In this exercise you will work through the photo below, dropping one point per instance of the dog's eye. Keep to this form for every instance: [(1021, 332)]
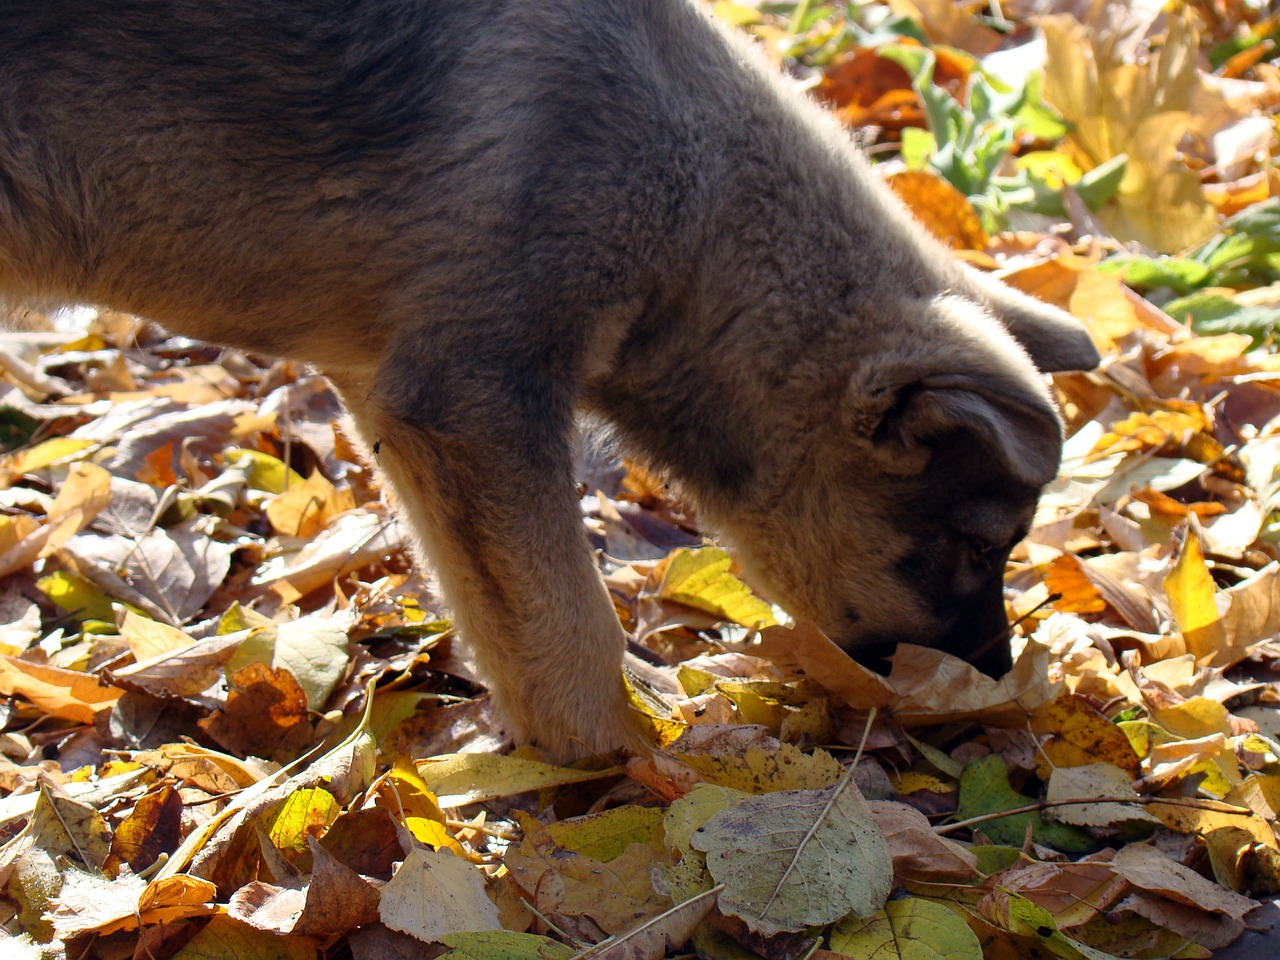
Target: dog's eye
[(983, 554)]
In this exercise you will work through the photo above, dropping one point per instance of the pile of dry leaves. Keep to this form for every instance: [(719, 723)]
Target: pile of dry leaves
[(234, 724)]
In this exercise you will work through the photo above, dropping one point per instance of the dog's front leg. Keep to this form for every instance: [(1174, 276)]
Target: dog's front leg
[(476, 446)]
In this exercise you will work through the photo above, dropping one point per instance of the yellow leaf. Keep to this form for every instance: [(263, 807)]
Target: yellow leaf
[(85, 494), (305, 812), (701, 579), (1076, 734), (223, 938), (305, 508), (607, 835), (406, 794), (1194, 718), (1191, 590), (149, 638), (21, 539), (908, 929), (42, 455), (909, 781), (266, 473), (1139, 109), (462, 778), (760, 770)]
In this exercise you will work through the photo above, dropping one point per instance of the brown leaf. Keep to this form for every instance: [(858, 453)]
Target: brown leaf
[(185, 672), (335, 900), (152, 828), (266, 713), (615, 895), (1073, 892), (1209, 930), (919, 853), (659, 936), (866, 88), (1148, 869), (63, 826)]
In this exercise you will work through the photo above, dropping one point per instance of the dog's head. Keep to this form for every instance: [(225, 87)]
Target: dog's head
[(894, 521)]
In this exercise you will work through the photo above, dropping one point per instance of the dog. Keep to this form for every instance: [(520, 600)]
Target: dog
[(484, 218)]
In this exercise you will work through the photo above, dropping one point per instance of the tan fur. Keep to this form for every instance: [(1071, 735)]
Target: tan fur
[(481, 218)]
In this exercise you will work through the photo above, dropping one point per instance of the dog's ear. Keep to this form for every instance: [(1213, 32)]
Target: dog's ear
[(1055, 340), (1019, 431)]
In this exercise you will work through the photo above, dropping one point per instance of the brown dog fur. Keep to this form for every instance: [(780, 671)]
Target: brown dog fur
[(482, 217)]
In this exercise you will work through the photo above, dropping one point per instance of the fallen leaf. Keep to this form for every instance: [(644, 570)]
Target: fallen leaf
[(73, 696), (434, 894), (266, 712), (1088, 782), (748, 759), (797, 858), (614, 896), (658, 936), (985, 789), (225, 938), (1149, 869), (944, 210), (1191, 591), (335, 900), (1074, 734), (152, 828), (504, 945), (462, 778), (910, 929)]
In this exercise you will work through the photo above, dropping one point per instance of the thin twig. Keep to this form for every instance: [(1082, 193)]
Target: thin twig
[(1212, 806)]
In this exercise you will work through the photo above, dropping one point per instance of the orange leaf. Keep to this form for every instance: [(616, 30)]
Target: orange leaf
[(1067, 577), (944, 210), (68, 694)]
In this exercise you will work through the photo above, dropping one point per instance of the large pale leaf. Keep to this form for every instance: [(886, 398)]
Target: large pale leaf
[(798, 858)]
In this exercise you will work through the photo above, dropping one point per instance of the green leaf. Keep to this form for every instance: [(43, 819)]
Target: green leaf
[(910, 929), (504, 945), (916, 147), (993, 858), (1150, 273), (1248, 236), (985, 789), (1035, 116), (1212, 313), (1098, 185)]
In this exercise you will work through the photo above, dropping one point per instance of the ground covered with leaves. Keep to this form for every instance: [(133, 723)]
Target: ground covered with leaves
[(235, 723)]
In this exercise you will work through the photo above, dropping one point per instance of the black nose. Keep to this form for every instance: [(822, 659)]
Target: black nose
[(980, 635)]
